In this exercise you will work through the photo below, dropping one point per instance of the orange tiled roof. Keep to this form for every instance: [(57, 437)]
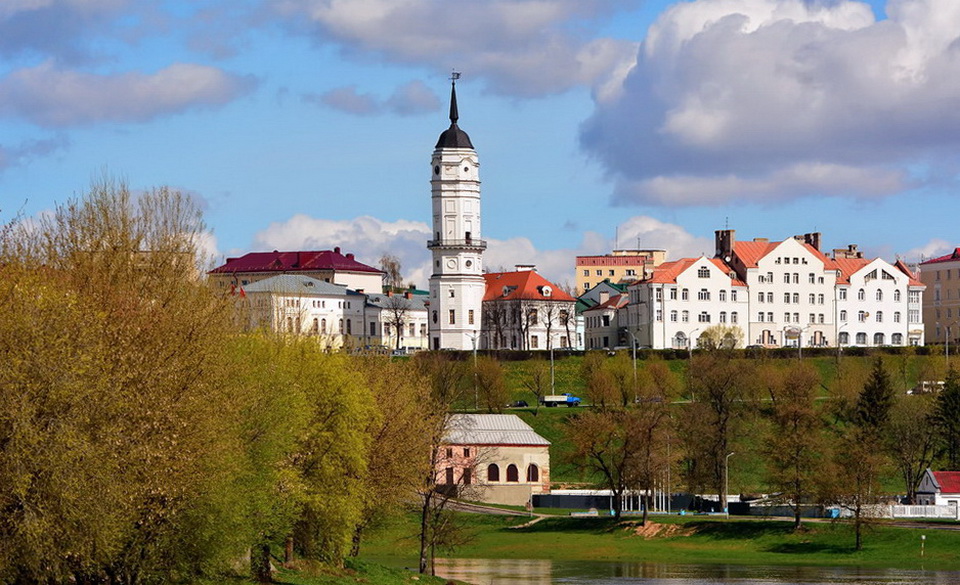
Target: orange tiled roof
[(668, 271), (751, 252), (902, 267), (848, 266), (522, 284)]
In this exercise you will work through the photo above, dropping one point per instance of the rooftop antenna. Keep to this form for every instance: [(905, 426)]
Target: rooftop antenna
[(726, 223), (616, 237)]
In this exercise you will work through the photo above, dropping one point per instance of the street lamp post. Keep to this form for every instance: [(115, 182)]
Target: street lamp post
[(690, 344), (726, 483)]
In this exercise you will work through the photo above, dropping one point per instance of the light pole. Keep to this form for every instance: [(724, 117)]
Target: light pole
[(690, 344), (800, 343), (726, 483), (634, 338)]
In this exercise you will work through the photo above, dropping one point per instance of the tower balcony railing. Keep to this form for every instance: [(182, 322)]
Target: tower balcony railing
[(467, 243)]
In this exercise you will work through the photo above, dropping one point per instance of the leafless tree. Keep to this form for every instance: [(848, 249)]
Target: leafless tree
[(390, 265), (396, 308)]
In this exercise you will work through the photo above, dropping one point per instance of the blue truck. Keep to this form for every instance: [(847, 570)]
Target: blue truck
[(565, 399)]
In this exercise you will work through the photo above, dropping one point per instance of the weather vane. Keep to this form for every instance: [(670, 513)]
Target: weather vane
[(454, 75)]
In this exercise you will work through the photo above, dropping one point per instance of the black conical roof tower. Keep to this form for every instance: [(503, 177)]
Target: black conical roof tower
[(454, 137)]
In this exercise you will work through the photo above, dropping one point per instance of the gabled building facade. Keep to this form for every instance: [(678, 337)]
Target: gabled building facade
[(523, 310)]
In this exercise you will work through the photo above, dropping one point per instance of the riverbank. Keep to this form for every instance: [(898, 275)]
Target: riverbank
[(674, 539), (354, 572)]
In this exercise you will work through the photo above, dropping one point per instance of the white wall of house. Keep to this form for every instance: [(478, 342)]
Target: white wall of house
[(875, 308)]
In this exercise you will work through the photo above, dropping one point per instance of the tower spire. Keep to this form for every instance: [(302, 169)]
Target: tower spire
[(454, 114)]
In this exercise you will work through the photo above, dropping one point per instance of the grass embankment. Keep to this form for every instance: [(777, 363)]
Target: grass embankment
[(686, 540)]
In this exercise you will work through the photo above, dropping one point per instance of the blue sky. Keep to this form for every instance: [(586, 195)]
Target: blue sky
[(310, 123)]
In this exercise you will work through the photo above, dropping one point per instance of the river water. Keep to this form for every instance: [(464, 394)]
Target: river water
[(545, 572)]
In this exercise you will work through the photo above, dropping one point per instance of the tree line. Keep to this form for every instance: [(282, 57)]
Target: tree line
[(144, 439)]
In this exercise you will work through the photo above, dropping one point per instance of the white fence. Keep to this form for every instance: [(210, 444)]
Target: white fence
[(947, 512)]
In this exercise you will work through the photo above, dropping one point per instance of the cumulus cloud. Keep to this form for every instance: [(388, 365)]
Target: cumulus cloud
[(780, 99), (50, 96), (520, 47), (55, 28), (932, 249), (346, 99)]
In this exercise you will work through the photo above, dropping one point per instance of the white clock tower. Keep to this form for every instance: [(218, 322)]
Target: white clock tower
[(457, 284)]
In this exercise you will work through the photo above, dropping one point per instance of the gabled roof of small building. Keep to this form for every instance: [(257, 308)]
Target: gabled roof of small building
[(491, 429), (294, 284), (951, 257), (296, 261), (614, 302), (947, 481), (522, 284)]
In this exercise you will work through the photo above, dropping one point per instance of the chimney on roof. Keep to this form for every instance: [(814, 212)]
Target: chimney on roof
[(604, 296), (359, 291), (389, 292), (526, 267), (350, 256), (725, 239), (408, 295), (813, 239), (850, 252), (336, 250)]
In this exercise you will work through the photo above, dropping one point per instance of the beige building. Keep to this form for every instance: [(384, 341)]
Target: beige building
[(621, 266), (941, 299), (494, 458)]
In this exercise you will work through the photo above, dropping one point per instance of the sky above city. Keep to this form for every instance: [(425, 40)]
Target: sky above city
[(599, 124)]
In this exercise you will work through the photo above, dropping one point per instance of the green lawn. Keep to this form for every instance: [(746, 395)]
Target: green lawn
[(685, 539)]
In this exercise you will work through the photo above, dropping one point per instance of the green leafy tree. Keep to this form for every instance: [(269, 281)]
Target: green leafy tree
[(947, 417), (875, 402), (911, 439)]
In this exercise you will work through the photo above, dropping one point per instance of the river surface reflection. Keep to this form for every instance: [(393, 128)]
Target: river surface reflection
[(545, 572)]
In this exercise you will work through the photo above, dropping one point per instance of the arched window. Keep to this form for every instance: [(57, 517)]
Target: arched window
[(323, 325), (896, 339), (512, 473), (896, 296), (879, 295), (316, 327), (533, 473), (861, 295), (493, 472), (861, 338), (843, 315), (878, 339), (879, 316), (844, 338)]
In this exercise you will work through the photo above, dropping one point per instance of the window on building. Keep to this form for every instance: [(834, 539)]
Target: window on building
[(453, 316), (449, 452), (786, 298), (813, 318), (533, 473), (703, 317), (733, 296), (796, 317), (820, 299), (532, 316), (896, 339), (769, 297), (659, 314), (879, 295), (896, 296), (786, 317), (842, 294), (723, 296), (896, 316), (373, 327), (796, 298), (467, 476), (673, 316), (703, 295), (534, 342), (723, 316), (879, 316), (843, 315), (413, 329), (341, 327), (913, 315), (512, 473), (703, 272), (349, 327), (586, 286), (466, 451), (610, 273), (861, 316), (861, 295), (770, 316), (733, 317), (796, 276), (685, 316), (586, 273), (606, 320), (914, 296), (448, 476), (469, 319), (812, 278), (685, 295), (673, 294), (820, 318), (760, 316), (844, 338), (493, 472), (878, 339), (761, 296), (786, 278), (599, 272), (812, 298), (861, 338)]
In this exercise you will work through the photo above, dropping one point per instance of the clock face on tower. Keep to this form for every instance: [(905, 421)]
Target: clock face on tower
[(451, 263)]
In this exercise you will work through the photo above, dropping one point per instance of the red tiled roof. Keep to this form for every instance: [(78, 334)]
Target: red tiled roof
[(902, 267), (750, 252), (522, 284), (949, 481), (951, 257), (298, 261), (668, 271), (847, 267)]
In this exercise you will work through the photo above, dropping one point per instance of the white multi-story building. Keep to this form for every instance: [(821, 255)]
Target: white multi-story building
[(302, 305), (683, 298), (784, 293), (523, 310), (602, 322), (397, 320), (456, 285)]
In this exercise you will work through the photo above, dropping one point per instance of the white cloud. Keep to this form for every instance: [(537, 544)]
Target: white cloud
[(932, 249), (346, 99), (521, 47), (413, 98), (53, 97), (781, 99)]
